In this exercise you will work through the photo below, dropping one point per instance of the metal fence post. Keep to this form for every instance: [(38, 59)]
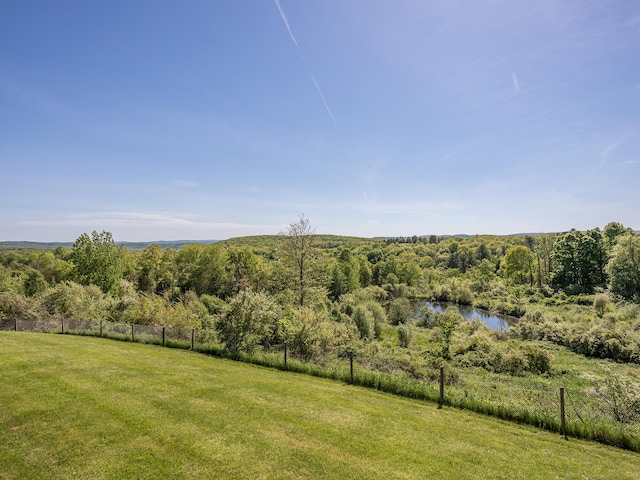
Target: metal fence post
[(563, 422), (62, 324), (351, 365), (193, 337), (15, 325), (285, 354), (441, 399), (133, 338), (164, 335), (100, 327)]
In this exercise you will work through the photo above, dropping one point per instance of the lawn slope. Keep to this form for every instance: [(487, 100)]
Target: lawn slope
[(83, 407)]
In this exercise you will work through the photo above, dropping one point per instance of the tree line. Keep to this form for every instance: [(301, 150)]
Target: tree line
[(319, 293)]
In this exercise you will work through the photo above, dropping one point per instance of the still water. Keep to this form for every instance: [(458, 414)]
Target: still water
[(496, 322)]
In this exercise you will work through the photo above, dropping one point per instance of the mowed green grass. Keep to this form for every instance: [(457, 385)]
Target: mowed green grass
[(83, 407)]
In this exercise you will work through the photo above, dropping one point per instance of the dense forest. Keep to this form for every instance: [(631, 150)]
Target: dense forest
[(323, 294)]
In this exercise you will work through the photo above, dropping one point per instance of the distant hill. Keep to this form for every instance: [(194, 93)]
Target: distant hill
[(272, 241), (34, 245), (134, 246), (267, 242)]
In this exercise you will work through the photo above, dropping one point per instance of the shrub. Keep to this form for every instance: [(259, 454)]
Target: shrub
[(538, 359), (399, 311), (509, 360), (464, 297), (364, 322), (621, 398), (379, 317), (405, 335)]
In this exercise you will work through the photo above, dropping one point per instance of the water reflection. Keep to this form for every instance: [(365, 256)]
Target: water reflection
[(496, 322)]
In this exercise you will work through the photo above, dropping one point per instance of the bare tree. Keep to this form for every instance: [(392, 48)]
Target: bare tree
[(298, 249)]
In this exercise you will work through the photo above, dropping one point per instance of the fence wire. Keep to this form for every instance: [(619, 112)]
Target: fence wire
[(613, 417), (597, 411)]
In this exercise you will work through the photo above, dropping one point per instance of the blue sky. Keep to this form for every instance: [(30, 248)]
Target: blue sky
[(213, 119)]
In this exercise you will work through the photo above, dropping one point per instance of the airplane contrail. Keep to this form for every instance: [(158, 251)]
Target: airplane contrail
[(306, 64)]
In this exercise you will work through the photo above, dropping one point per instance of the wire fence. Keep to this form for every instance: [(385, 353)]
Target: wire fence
[(609, 416)]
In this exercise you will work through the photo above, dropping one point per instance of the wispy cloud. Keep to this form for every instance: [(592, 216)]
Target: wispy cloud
[(186, 184), (140, 220), (607, 151), (306, 64), (516, 84)]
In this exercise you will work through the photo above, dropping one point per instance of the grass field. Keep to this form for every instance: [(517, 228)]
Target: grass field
[(83, 407)]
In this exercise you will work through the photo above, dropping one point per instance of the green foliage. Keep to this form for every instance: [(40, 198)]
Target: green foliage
[(14, 306), (379, 316), (405, 335), (624, 267), (203, 269), (399, 311), (364, 322), (621, 397), (344, 274), (247, 321), (447, 322), (518, 265), (214, 305), (98, 261), (74, 301), (310, 334), (245, 269), (156, 270), (611, 232), (605, 337), (34, 283), (601, 303), (579, 260)]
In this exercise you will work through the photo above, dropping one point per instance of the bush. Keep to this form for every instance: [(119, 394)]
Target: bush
[(538, 359), (379, 317), (621, 399), (399, 311), (14, 306), (405, 335), (364, 322), (509, 360)]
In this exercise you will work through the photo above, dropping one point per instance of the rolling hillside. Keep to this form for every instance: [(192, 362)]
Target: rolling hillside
[(80, 407)]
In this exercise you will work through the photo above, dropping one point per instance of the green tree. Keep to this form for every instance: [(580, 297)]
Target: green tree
[(156, 270), (344, 275), (364, 269), (203, 269), (244, 268), (364, 322), (447, 322), (98, 261), (543, 248), (407, 268), (405, 335), (399, 311), (518, 265), (248, 320), (611, 232), (34, 283), (579, 260), (483, 274), (624, 266)]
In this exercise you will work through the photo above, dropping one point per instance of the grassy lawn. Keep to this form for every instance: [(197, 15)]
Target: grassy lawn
[(83, 407)]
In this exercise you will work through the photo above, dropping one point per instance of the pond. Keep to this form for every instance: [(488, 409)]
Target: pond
[(494, 321)]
